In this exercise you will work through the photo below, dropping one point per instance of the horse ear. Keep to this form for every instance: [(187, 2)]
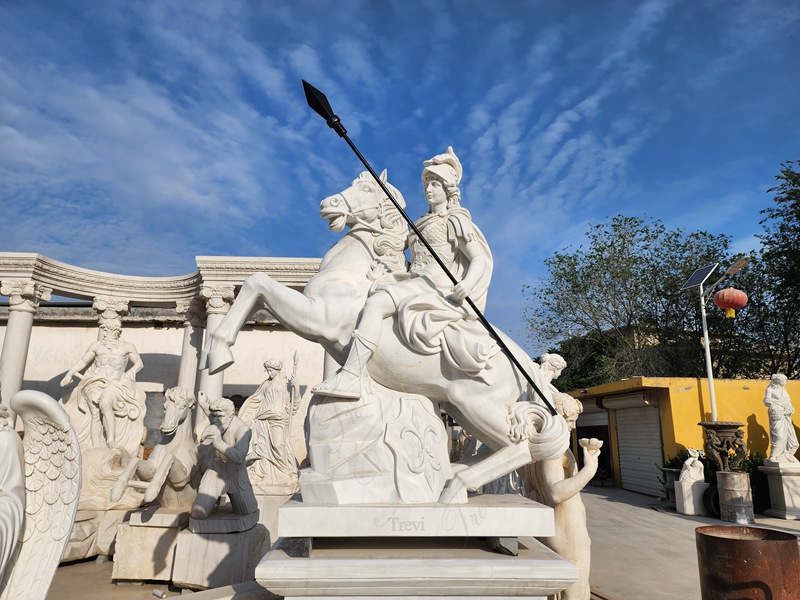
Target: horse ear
[(383, 176)]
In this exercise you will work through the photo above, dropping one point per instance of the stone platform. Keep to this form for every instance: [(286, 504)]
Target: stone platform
[(483, 516), (784, 489), (408, 567), (415, 551)]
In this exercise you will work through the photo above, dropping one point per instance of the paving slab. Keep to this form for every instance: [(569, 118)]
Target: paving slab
[(641, 549)]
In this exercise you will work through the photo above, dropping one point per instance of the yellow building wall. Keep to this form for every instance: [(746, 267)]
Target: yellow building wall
[(684, 402)]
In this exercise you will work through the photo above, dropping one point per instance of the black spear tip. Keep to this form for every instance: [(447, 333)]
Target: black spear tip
[(320, 105)]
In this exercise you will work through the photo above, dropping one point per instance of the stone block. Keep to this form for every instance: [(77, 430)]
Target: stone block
[(689, 497), (211, 560), (223, 522), (144, 553), (784, 490), (94, 533), (414, 568), (155, 516), (483, 516)]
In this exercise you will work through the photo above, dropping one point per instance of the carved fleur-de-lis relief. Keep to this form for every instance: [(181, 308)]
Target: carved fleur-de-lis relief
[(25, 295), (218, 298), (193, 311), (110, 307)]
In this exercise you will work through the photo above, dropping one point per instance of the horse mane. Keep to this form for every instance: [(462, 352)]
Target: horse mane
[(390, 244)]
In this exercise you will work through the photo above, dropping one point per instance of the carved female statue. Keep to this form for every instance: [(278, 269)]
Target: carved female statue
[(781, 430), (428, 308), (12, 488), (268, 413)]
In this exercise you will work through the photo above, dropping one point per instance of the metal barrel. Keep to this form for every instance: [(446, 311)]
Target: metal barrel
[(747, 563), (735, 497)]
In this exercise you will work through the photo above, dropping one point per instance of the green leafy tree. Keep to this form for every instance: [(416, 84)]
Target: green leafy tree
[(613, 306), (776, 310)]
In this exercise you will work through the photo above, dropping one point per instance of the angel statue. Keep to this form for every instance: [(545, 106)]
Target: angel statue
[(43, 473)]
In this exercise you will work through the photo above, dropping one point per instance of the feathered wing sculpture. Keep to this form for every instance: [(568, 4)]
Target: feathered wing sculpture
[(52, 485)]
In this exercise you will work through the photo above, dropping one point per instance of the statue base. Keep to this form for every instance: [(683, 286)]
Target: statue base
[(784, 489), (415, 551), (144, 553), (94, 533), (211, 560), (224, 522), (413, 568), (689, 498)]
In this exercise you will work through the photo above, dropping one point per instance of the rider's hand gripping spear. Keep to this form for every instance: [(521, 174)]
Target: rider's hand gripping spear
[(319, 103)]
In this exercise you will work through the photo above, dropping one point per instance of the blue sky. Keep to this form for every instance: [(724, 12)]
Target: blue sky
[(137, 135)]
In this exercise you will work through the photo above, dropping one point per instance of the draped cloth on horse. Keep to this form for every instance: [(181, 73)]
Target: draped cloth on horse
[(427, 321)]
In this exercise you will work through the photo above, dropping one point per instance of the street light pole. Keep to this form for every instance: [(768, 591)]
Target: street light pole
[(698, 278), (709, 371)]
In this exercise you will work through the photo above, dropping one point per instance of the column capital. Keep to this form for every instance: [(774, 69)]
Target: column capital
[(24, 296), (218, 298), (110, 308), (193, 311)]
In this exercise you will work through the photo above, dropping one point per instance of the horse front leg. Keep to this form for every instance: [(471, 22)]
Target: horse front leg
[(497, 464), (295, 311), (216, 354)]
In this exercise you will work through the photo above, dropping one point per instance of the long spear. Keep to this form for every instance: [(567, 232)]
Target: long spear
[(320, 105)]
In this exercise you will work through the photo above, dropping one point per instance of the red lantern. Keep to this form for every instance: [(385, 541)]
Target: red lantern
[(731, 300)]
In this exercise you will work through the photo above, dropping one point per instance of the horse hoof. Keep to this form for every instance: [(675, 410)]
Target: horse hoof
[(218, 359), (451, 496)]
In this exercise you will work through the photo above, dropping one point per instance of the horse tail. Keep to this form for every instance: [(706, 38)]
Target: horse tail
[(547, 435)]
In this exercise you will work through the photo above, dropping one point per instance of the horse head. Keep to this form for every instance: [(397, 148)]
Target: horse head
[(363, 203), (365, 206), (177, 406)]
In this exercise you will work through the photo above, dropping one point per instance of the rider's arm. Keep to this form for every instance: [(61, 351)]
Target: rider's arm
[(134, 357), (79, 366)]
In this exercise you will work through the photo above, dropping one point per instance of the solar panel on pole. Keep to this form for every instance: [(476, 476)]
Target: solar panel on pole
[(699, 276)]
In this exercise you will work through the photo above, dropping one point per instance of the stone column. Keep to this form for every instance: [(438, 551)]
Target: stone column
[(109, 308), (193, 311), (23, 300), (218, 300)]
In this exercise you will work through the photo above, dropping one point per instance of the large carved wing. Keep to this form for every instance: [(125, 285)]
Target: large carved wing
[(52, 483)]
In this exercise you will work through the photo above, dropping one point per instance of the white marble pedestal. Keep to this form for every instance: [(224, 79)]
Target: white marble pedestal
[(689, 497), (414, 551), (145, 548), (784, 489)]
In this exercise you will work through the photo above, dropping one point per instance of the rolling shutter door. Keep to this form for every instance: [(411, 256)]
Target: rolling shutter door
[(639, 439)]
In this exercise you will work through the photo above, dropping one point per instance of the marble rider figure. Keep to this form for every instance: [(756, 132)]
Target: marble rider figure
[(107, 390), (426, 289)]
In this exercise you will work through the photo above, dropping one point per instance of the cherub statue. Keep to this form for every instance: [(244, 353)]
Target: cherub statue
[(781, 429), (107, 390), (692, 470), (44, 474), (224, 466)]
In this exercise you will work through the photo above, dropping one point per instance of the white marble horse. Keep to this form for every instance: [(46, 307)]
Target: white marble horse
[(487, 406), (170, 474)]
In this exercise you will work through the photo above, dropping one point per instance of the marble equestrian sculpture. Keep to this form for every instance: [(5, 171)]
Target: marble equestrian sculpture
[(269, 413), (48, 465), (429, 346), (225, 444), (170, 475), (107, 392), (557, 483), (781, 429)]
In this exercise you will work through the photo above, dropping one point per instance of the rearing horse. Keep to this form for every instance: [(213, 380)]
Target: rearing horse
[(327, 310)]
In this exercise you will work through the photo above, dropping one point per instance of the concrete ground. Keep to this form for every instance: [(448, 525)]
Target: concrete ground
[(639, 550)]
